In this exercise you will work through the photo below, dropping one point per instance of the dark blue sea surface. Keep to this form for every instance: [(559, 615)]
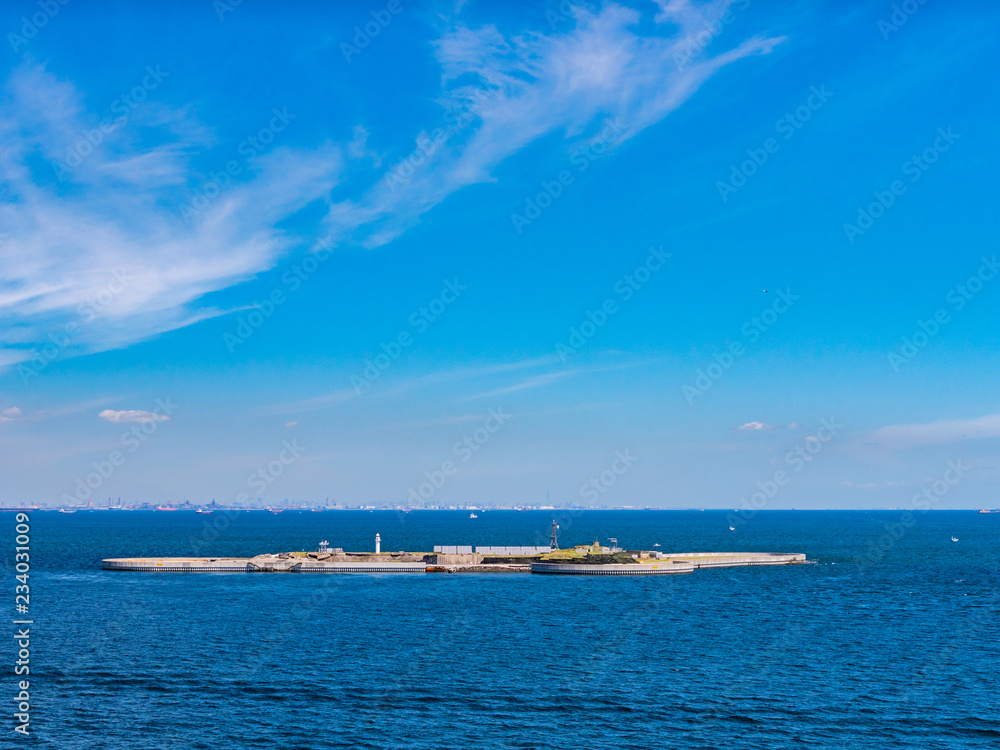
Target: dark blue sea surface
[(891, 640)]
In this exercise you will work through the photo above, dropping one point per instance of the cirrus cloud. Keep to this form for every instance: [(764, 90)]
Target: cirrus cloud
[(511, 90), (936, 433), (115, 216), (117, 211)]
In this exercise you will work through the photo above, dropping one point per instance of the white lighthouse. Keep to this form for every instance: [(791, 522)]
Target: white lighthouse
[(378, 544)]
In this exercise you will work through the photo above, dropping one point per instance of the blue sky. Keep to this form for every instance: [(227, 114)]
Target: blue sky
[(230, 227)]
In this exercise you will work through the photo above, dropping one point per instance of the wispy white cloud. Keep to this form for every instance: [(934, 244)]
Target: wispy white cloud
[(107, 247), (323, 401), (358, 147), (536, 381), (17, 414), (758, 426), (10, 414), (392, 389), (132, 415), (504, 92), (754, 426), (118, 211), (388, 388), (936, 433), (432, 422)]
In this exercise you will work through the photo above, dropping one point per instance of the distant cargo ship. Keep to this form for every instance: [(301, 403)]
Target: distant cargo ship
[(164, 507), (66, 510), (204, 512), (993, 510)]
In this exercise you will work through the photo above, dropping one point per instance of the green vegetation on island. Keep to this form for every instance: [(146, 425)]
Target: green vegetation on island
[(575, 557)]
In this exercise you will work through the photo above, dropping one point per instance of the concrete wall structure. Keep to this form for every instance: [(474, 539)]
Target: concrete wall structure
[(257, 565), (734, 559), (374, 567), (515, 551), (658, 568), (178, 564), (469, 559)]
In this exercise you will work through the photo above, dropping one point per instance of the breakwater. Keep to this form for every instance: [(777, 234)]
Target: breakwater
[(613, 569), (416, 562), (258, 564)]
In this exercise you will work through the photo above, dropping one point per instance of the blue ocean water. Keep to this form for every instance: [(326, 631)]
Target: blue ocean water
[(889, 641)]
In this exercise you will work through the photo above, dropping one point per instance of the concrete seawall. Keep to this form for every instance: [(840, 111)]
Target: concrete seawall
[(177, 565), (255, 565), (685, 562), (363, 568), (737, 559), (659, 568)]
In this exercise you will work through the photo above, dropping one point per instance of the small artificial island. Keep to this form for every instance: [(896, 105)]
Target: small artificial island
[(593, 559)]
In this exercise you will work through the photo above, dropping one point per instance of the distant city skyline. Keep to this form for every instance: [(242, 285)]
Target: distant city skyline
[(671, 254)]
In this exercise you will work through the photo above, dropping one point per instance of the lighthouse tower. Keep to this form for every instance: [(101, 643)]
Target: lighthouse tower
[(378, 544)]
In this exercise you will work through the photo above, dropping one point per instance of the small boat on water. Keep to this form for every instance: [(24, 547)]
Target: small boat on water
[(66, 510), (473, 515)]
